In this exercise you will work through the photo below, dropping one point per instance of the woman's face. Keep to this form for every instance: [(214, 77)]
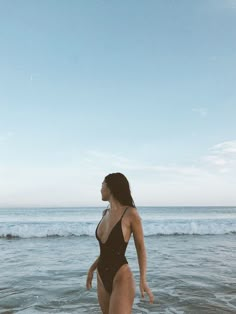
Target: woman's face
[(105, 191)]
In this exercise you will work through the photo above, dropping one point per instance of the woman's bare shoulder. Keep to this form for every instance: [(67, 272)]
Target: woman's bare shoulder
[(133, 212)]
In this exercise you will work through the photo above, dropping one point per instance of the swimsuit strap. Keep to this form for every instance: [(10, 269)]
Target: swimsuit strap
[(108, 209), (104, 212), (124, 212)]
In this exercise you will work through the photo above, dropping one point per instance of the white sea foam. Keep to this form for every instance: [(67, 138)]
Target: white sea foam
[(150, 228), (65, 222)]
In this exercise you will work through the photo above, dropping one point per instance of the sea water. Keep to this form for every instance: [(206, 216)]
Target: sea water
[(45, 254)]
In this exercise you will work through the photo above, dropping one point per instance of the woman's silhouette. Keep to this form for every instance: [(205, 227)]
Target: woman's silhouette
[(115, 281)]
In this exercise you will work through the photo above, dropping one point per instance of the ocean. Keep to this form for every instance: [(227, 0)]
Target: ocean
[(45, 254)]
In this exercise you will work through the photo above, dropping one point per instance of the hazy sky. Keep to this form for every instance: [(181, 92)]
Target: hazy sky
[(146, 88)]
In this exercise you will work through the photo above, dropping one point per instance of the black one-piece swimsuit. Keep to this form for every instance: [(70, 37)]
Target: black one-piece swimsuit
[(112, 254)]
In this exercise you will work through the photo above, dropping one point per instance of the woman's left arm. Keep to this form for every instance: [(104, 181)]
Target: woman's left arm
[(136, 227)]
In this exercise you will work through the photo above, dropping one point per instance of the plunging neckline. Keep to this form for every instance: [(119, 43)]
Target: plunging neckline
[(110, 233), (112, 229)]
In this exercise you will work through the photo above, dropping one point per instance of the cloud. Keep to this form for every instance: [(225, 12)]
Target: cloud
[(108, 161), (202, 111), (206, 180), (227, 147), (222, 156), (220, 159)]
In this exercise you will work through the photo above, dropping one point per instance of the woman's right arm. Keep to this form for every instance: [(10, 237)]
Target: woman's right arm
[(90, 274), (94, 265)]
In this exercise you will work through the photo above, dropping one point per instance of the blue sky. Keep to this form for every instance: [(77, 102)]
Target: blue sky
[(146, 88)]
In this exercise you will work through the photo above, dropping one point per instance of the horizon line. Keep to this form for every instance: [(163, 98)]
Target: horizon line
[(88, 206)]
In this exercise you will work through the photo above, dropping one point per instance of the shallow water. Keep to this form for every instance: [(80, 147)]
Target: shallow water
[(187, 273)]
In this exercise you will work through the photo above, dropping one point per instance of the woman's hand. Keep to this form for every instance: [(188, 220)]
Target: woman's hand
[(89, 279), (144, 288)]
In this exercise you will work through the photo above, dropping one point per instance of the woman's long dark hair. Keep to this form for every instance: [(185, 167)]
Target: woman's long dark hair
[(120, 189)]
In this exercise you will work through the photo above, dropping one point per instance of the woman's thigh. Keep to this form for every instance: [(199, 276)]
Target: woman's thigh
[(103, 295), (123, 292)]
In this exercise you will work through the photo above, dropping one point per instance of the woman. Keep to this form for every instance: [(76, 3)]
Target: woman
[(115, 281)]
